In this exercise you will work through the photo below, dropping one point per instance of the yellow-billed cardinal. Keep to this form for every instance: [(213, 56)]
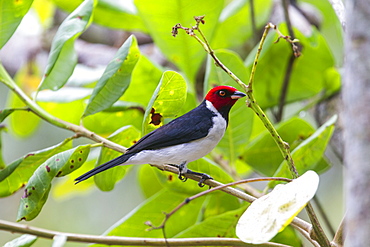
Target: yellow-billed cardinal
[(184, 139)]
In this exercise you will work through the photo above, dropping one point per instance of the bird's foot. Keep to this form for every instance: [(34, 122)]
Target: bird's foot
[(203, 176), (184, 170)]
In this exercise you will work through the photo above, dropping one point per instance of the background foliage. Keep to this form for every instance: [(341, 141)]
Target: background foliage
[(134, 94)]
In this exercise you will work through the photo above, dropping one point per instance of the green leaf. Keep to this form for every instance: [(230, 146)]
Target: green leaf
[(16, 175), (219, 202), (310, 152), (38, 187), (167, 100), (235, 22), (184, 51), (64, 95), (110, 13), (4, 113), (145, 77), (116, 78), (263, 153), (11, 15), (222, 225), (24, 123), (308, 76), (133, 225), (241, 117), (116, 14), (25, 240), (65, 188), (126, 136), (149, 181), (330, 28), (70, 112), (105, 123), (63, 58)]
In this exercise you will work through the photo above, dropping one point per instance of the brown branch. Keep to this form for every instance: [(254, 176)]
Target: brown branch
[(113, 240)]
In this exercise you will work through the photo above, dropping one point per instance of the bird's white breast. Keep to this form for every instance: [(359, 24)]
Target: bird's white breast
[(185, 152)]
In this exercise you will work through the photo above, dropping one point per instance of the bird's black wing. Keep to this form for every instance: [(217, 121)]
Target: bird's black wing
[(189, 127)]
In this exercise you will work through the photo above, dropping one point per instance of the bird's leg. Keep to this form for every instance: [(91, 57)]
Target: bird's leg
[(182, 170)]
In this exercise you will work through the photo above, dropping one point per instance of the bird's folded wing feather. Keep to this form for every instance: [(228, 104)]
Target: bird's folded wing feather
[(189, 127)]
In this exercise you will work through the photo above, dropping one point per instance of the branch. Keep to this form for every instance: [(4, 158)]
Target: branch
[(317, 233), (113, 240)]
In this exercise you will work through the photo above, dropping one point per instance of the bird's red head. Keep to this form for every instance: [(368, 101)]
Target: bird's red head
[(223, 97)]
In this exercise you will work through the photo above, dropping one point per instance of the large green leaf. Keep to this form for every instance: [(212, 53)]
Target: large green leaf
[(241, 117), (38, 187), (133, 225), (184, 51), (235, 26), (308, 74), (11, 15), (116, 77), (222, 225), (105, 123), (263, 153), (126, 136), (309, 153), (330, 28), (144, 80), (63, 58), (167, 100), (16, 175), (110, 13)]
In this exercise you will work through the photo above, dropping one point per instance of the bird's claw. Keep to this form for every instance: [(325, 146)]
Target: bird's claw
[(182, 177), (204, 178)]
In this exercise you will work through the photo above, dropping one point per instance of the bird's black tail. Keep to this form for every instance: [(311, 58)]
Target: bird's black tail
[(112, 163)]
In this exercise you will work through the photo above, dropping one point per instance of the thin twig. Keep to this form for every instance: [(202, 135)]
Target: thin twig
[(338, 239), (113, 240), (189, 199)]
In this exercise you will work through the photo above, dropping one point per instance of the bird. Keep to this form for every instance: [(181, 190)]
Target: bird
[(182, 140)]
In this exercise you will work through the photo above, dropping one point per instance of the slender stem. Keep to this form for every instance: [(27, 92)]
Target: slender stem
[(317, 232), (338, 239), (253, 21), (113, 240)]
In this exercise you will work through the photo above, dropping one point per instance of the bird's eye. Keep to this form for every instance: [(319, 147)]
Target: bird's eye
[(222, 93)]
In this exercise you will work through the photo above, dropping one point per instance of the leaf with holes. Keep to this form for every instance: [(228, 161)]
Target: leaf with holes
[(115, 79), (167, 100), (38, 187), (63, 58), (14, 176)]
